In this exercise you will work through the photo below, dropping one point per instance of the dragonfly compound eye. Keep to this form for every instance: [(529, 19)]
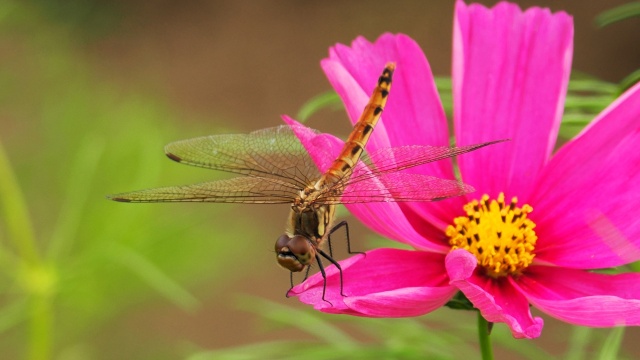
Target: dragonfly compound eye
[(294, 253)]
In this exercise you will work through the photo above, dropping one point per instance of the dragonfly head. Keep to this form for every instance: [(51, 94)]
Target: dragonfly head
[(294, 253)]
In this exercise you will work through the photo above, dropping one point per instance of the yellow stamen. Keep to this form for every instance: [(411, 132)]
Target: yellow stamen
[(500, 236)]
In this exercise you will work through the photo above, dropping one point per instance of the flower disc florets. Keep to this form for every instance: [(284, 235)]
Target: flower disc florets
[(501, 236)]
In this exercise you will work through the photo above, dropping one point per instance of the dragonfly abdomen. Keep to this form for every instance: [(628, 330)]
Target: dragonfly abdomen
[(362, 130)]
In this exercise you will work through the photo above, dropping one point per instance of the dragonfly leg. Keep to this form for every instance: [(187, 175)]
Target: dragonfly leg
[(324, 276), (346, 229), (324, 255), (329, 242), (291, 281), (306, 275)]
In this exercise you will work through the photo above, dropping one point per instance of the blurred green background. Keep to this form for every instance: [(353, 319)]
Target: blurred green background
[(90, 91)]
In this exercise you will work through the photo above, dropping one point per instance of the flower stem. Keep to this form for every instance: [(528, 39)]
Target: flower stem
[(485, 341)]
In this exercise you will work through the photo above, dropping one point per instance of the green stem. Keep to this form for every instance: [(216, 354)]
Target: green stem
[(41, 323), (15, 212), (485, 341), (37, 279)]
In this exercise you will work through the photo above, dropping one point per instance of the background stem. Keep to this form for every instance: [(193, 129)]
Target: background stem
[(41, 324), (34, 277), (15, 212)]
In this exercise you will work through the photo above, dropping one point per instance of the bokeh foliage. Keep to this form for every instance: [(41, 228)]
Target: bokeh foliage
[(70, 139)]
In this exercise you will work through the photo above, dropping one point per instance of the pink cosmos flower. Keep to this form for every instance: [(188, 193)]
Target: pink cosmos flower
[(576, 209)]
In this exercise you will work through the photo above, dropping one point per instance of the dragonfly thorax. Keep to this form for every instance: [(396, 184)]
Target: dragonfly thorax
[(308, 225), (311, 219)]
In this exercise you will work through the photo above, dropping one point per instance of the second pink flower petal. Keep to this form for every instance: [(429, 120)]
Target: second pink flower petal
[(496, 299), (586, 199), (510, 74), (584, 298)]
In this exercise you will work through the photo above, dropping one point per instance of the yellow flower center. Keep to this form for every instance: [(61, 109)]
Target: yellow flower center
[(500, 236)]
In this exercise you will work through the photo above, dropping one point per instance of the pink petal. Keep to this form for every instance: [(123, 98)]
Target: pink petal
[(323, 148), (413, 115), (586, 200), (583, 298), (356, 98), (382, 283), (385, 218), (510, 75), (497, 299)]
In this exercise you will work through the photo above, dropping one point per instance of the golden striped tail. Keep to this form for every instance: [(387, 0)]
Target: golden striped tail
[(362, 130)]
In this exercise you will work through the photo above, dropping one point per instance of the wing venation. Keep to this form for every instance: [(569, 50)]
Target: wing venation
[(236, 190), (268, 153)]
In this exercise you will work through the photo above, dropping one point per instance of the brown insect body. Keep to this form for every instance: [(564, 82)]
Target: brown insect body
[(310, 221)]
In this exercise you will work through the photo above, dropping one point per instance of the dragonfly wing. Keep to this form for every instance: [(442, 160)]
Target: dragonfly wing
[(404, 157), (379, 176), (401, 187), (268, 153), (253, 190)]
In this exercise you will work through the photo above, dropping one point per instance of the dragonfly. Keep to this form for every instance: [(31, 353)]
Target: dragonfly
[(275, 168)]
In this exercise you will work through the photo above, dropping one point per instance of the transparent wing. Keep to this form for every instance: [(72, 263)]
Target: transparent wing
[(403, 157), (399, 187), (378, 177), (274, 153), (278, 167), (236, 190)]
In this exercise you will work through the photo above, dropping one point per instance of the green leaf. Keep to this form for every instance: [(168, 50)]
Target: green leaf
[(15, 211), (629, 81), (578, 343), (459, 302), (619, 13), (266, 350), (329, 99), (77, 193), (587, 83), (302, 319), (13, 314), (153, 276), (501, 335), (611, 346)]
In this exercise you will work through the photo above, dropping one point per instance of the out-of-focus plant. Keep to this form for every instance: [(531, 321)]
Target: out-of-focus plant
[(586, 97), (442, 335), (618, 13), (615, 15), (69, 259)]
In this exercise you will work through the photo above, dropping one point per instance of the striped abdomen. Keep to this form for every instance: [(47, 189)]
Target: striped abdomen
[(343, 165)]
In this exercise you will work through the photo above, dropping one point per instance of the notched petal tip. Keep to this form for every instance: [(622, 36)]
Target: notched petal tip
[(496, 299)]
